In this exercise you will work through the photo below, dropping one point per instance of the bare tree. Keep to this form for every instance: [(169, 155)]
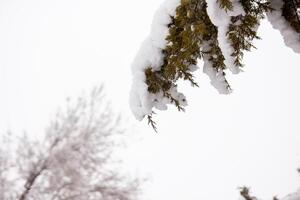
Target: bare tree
[(74, 160)]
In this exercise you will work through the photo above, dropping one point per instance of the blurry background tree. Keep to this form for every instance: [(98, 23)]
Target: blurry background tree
[(74, 160)]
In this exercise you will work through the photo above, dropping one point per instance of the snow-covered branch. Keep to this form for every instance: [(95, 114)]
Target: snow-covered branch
[(216, 31)]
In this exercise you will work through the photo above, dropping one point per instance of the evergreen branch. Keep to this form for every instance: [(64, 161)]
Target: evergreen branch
[(152, 122)]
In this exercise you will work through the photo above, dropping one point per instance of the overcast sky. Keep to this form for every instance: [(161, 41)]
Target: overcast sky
[(52, 49)]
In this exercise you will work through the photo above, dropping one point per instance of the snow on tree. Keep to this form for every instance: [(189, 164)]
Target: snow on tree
[(286, 18), (216, 31), (245, 193), (74, 161)]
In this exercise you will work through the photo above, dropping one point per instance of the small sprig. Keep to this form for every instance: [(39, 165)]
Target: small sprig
[(226, 5), (152, 122), (245, 192)]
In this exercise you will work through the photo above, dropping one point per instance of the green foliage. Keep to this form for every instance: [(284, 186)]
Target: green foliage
[(183, 46), (225, 4), (192, 36), (214, 53), (189, 28), (243, 28), (182, 50), (289, 11)]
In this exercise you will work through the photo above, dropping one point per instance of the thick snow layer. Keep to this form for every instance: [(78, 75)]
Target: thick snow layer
[(150, 55), (217, 78), (290, 36), (221, 19)]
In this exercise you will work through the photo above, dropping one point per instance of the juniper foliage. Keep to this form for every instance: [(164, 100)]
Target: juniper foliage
[(225, 4), (243, 28), (193, 36), (189, 29), (291, 12)]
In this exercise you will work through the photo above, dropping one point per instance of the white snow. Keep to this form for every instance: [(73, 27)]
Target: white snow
[(150, 55), (221, 19), (290, 36), (217, 78), (294, 196)]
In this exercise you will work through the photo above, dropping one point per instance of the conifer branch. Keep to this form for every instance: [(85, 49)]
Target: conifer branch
[(152, 122), (225, 4), (291, 13)]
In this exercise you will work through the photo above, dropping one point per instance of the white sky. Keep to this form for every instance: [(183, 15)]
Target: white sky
[(51, 49)]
